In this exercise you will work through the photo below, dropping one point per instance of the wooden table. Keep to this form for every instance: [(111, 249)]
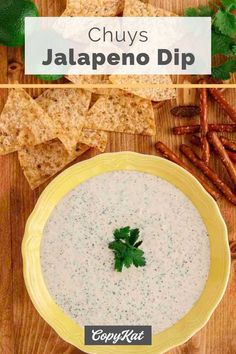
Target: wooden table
[(22, 330)]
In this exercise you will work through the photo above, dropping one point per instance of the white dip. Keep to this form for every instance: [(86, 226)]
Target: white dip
[(78, 266)]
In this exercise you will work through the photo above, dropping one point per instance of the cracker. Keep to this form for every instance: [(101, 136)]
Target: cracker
[(93, 8), (140, 9), (128, 114), (150, 93), (94, 138), (43, 161), (93, 80), (67, 108), (136, 8), (23, 122)]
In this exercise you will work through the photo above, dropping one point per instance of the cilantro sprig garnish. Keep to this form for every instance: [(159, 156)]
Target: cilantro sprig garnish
[(223, 34), (126, 248)]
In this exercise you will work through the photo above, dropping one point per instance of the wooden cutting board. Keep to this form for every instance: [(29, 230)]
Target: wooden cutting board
[(22, 330)]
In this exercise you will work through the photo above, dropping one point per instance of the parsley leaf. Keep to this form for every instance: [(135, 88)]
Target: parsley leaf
[(223, 71), (138, 259), (191, 12), (125, 248), (229, 4), (122, 234), (222, 44), (118, 264), (223, 34), (226, 22), (201, 11), (134, 235)]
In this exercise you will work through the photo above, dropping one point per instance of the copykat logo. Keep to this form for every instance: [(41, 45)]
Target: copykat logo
[(118, 335)]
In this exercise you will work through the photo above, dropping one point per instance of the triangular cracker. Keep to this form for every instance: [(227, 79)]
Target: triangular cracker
[(94, 138), (23, 122), (67, 108), (94, 8), (93, 80), (150, 93), (128, 114), (137, 8), (43, 161)]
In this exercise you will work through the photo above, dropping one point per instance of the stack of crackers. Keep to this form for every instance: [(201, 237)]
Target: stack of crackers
[(51, 131), (54, 129), (129, 8)]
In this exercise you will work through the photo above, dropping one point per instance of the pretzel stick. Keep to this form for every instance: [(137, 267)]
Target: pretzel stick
[(228, 144), (204, 125), (192, 129), (195, 140), (170, 155), (186, 129), (224, 157), (219, 98), (208, 172)]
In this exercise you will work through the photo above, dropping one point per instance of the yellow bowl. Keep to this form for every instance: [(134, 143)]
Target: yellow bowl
[(196, 318)]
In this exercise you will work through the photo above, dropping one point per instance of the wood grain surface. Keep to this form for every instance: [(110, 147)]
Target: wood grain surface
[(22, 330)]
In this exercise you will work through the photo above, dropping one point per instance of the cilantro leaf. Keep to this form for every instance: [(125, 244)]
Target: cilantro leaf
[(138, 258), (125, 248), (191, 12), (222, 44), (122, 234), (226, 22), (118, 247), (118, 264), (128, 260), (201, 11), (205, 11), (229, 4), (134, 235), (223, 71), (223, 34)]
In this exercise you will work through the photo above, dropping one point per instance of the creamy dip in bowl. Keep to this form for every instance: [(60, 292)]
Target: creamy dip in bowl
[(69, 268), (78, 266)]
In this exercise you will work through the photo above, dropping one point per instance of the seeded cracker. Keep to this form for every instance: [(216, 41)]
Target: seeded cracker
[(43, 161), (67, 108), (95, 79), (139, 9), (23, 123), (94, 138), (128, 114), (94, 8), (153, 94), (136, 8)]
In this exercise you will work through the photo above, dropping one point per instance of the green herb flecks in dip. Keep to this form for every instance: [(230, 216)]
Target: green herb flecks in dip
[(78, 265)]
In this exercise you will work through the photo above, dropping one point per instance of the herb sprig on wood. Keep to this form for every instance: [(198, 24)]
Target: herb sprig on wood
[(126, 248), (223, 34)]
